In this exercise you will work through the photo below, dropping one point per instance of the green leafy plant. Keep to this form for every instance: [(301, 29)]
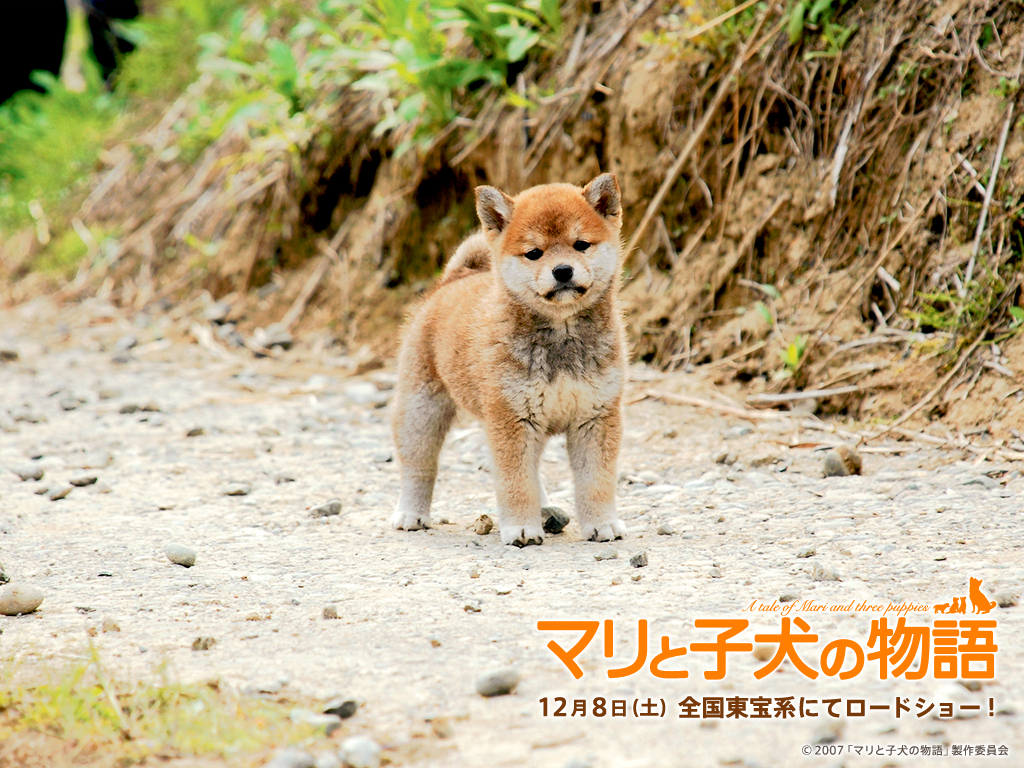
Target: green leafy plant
[(818, 16), (793, 355)]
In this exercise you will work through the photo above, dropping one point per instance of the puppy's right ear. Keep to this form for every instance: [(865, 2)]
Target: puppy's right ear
[(494, 208)]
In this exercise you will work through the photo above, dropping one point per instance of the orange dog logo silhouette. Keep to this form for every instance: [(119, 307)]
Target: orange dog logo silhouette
[(979, 602)]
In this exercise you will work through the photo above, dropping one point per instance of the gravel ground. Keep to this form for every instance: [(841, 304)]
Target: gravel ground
[(239, 459)]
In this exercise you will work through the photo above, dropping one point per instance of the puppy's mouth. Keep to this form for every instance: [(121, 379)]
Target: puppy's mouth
[(566, 293)]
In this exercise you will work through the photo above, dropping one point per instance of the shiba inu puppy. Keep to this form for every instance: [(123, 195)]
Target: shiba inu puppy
[(524, 332)]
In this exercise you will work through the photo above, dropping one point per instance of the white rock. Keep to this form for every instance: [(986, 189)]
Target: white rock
[(360, 752), (17, 599)]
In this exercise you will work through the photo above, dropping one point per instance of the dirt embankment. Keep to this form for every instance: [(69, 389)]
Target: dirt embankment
[(802, 216)]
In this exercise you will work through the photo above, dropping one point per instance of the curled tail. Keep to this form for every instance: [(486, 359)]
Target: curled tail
[(473, 255)]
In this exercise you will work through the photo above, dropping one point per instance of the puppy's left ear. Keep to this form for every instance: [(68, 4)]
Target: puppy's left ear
[(604, 197)]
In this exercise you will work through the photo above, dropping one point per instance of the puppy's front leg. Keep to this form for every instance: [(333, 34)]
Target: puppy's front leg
[(516, 448), (593, 451)]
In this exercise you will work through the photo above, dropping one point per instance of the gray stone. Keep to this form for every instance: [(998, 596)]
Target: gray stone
[(28, 472), (128, 408), (342, 707), (715, 572), (291, 758), (61, 492), (666, 529), (217, 312), (83, 480), (822, 572), (327, 760), (180, 554), (606, 554), (983, 480), (639, 560), (195, 432), (18, 599), (327, 723), (360, 752), (327, 509), (806, 552), (274, 335), (789, 597), (70, 402), (555, 519), (498, 682), (1003, 599), (238, 489), (842, 461)]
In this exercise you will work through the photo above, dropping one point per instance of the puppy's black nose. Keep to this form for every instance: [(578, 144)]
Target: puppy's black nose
[(562, 273)]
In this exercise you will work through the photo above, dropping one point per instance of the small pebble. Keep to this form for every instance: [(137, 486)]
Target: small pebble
[(715, 572), (326, 723), (639, 560), (60, 493), (343, 708), (666, 529), (281, 478), (110, 625), (330, 612), (195, 432), (28, 472), (606, 554), (83, 481), (473, 606), (499, 682), (217, 312), (203, 643), (842, 461), (555, 519), (18, 599), (238, 489), (442, 727), (291, 758), (806, 552), (360, 752), (108, 393), (327, 760), (764, 652), (788, 598), (267, 432), (327, 509), (180, 554), (483, 525), (4, 578), (824, 573), (1003, 599), (150, 407), (128, 408)]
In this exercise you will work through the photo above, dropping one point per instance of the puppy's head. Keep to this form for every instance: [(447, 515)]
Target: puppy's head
[(556, 246)]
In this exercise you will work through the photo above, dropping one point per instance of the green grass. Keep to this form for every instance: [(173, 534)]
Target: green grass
[(84, 704)]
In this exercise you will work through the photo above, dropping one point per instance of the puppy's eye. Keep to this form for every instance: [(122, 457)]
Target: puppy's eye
[(534, 254), (581, 245)]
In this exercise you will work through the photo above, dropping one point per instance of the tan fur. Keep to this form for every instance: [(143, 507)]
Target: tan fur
[(531, 347)]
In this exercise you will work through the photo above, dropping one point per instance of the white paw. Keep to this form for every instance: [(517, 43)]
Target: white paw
[(521, 535), (605, 531), (404, 520)]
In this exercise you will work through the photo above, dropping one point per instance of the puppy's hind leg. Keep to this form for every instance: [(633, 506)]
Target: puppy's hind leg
[(421, 422)]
